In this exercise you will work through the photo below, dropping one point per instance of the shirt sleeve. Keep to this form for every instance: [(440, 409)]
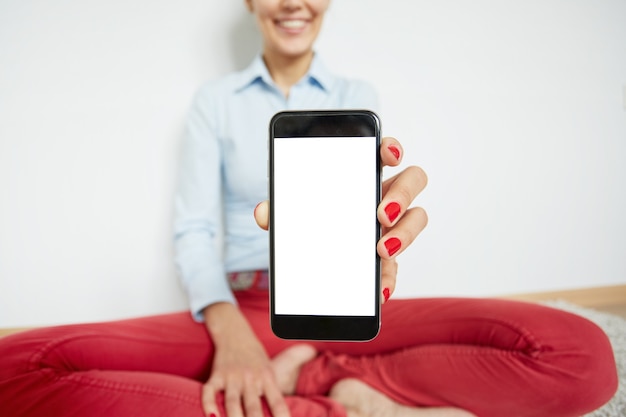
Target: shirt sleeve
[(198, 210)]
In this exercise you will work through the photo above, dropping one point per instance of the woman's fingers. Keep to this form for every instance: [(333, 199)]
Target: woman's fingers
[(391, 151), (389, 271), (208, 397), (259, 387), (401, 224), (243, 397), (399, 192), (232, 398), (402, 234), (394, 242), (252, 393), (276, 401)]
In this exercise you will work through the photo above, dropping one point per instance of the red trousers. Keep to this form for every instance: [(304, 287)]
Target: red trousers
[(490, 357)]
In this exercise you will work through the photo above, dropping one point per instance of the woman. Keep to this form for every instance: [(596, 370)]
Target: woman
[(433, 357)]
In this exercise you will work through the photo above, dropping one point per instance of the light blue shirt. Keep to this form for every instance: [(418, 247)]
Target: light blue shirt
[(223, 171)]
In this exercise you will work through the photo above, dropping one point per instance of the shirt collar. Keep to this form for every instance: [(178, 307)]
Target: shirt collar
[(317, 75)]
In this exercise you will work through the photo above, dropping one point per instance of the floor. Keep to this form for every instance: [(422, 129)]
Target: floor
[(616, 309), (610, 299)]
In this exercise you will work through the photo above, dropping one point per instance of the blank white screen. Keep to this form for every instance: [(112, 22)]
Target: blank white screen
[(325, 226)]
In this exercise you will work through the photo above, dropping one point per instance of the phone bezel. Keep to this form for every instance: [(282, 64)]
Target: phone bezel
[(325, 123)]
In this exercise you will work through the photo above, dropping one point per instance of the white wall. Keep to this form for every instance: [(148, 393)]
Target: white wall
[(516, 109)]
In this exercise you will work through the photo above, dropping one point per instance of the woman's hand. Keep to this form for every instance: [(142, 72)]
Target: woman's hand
[(400, 223), (241, 367)]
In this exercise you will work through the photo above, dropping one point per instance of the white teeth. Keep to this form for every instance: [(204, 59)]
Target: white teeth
[(292, 24)]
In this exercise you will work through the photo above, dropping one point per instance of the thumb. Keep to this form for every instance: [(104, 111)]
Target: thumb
[(262, 214)]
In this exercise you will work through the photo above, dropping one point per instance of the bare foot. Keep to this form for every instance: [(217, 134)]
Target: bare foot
[(287, 364), (361, 400)]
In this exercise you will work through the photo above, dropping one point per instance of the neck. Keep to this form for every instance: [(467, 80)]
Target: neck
[(287, 70)]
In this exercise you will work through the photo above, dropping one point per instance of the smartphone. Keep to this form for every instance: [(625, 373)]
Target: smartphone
[(324, 190)]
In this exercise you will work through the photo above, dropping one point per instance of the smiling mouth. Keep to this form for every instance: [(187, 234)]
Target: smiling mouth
[(292, 24)]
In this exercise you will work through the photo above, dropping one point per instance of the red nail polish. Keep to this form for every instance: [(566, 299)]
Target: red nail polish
[(212, 415), (386, 294), (395, 151), (393, 245), (392, 210)]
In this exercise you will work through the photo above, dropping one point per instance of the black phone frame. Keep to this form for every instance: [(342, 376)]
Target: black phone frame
[(325, 123)]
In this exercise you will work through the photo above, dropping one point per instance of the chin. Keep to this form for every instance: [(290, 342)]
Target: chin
[(294, 50)]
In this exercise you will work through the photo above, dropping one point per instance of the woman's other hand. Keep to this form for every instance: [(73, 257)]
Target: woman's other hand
[(241, 368), (400, 223)]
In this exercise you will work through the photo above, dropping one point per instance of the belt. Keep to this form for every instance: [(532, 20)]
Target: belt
[(246, 280)]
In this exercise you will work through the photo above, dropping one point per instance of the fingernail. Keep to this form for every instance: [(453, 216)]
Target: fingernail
[(386, 294), (212, 415), (393, 245), (395, 151), (392, 210)]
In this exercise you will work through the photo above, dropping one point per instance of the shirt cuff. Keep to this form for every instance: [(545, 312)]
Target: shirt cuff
[(202, 294)]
